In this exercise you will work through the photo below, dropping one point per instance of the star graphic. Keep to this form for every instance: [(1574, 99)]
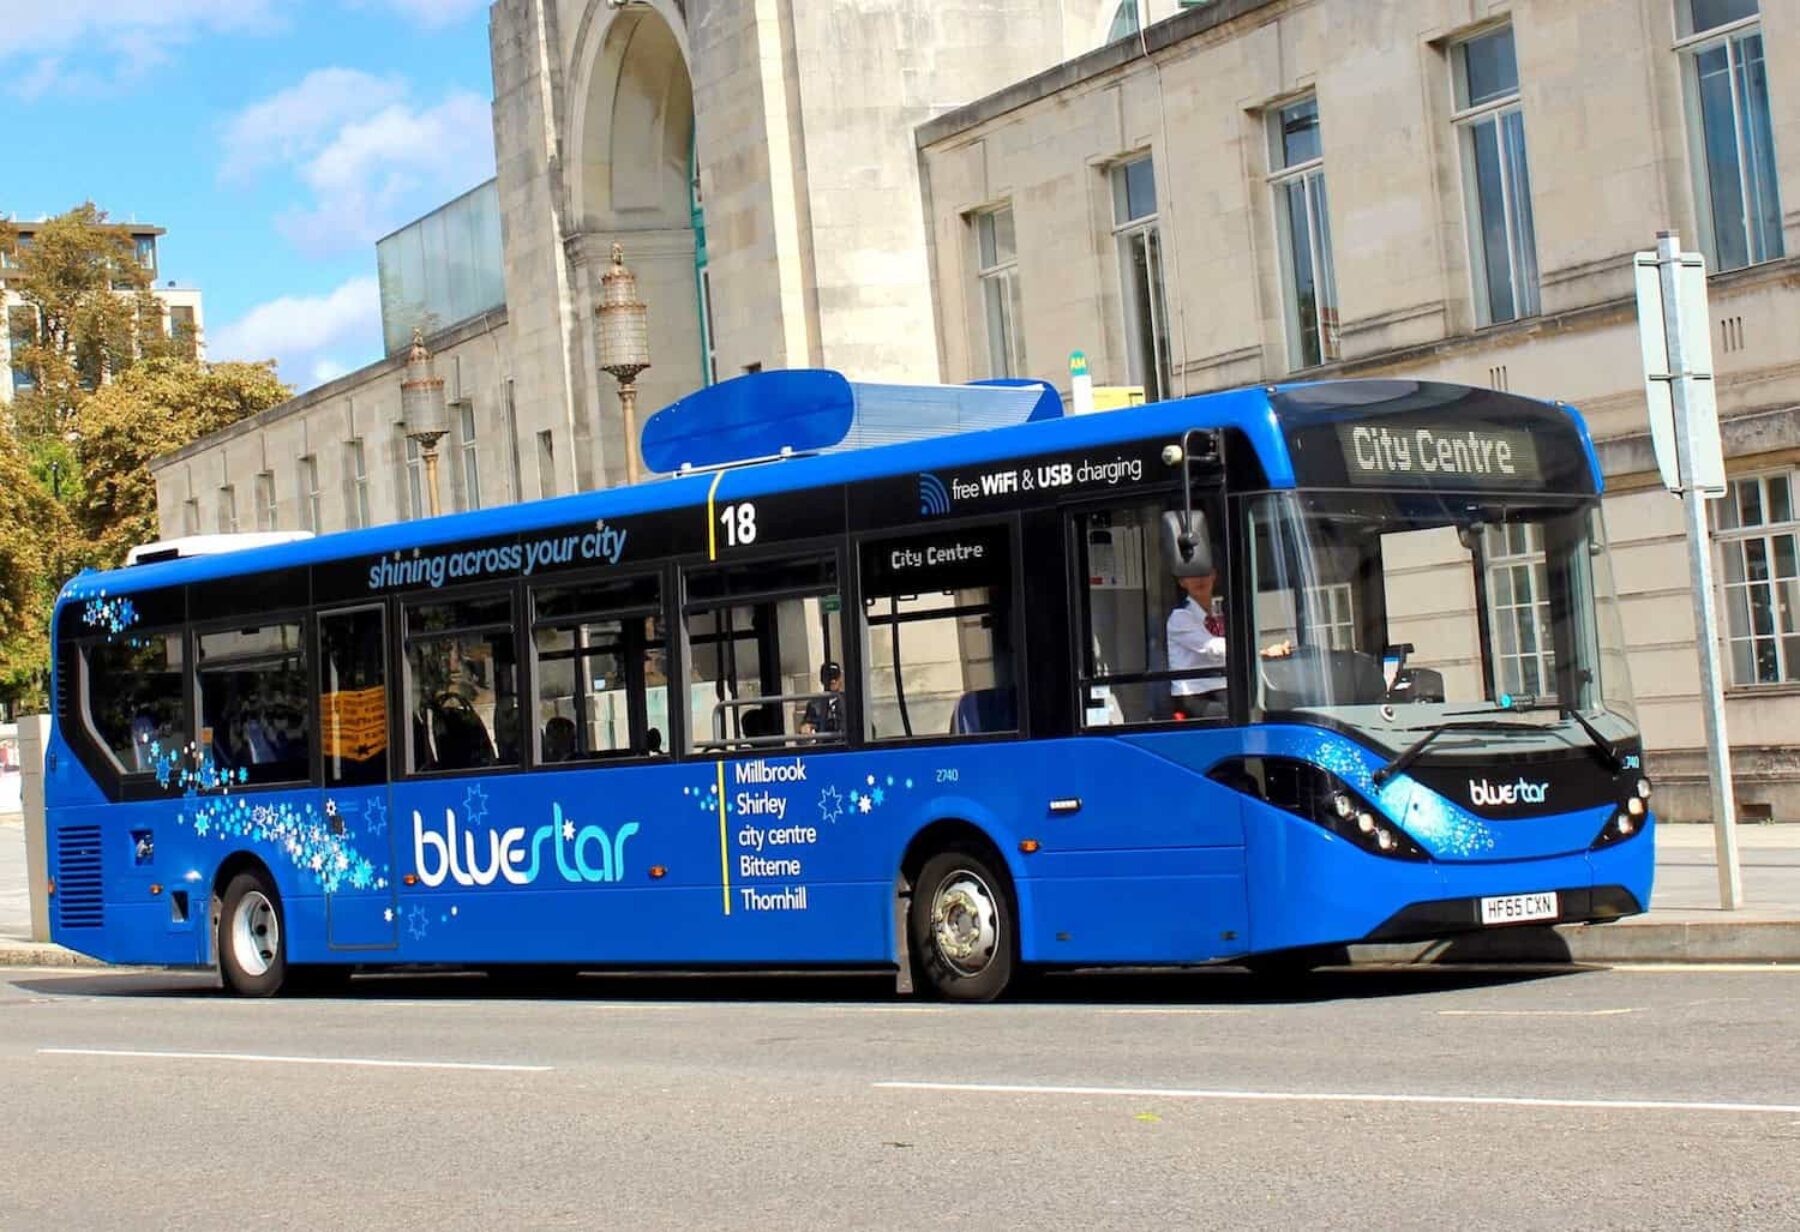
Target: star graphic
[(568, 831), (831, 804), (879, 795), (475, 803), (416, 923), (864, 805), (388, 915), (377, 817)]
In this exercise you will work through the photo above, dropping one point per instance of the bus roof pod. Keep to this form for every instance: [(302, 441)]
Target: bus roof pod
[(764, 416), (210, 545)]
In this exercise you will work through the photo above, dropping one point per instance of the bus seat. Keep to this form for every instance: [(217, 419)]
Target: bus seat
[(985, 710)]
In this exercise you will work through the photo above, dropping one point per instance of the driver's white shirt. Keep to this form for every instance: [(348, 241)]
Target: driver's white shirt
[(1192, 646)]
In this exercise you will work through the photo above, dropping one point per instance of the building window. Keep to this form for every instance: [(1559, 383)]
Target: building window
[(265, 501), (1126, 21), (1298, 155), (1141, 273), (415, 479), (1519, 607), (1757, 533), (1729, 126), (998, 274), (1496, 180), (546, 463), (190, 516), (145, 247), (309, 494), (183, 331), (357, 471), (228, 523), (471, 464)]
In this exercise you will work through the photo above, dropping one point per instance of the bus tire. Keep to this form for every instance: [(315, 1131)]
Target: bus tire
[(962, 927), (250, 940)]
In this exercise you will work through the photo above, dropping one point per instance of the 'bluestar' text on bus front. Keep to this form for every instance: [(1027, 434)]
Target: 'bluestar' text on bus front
[(602, 543)]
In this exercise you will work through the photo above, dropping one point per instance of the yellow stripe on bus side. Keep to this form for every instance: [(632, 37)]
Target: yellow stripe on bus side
[(712, 532), (724, 855)]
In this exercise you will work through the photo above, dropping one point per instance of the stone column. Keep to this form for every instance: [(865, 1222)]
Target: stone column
[(34, 738)]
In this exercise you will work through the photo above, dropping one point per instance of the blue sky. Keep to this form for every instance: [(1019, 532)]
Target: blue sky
[(276, 140)]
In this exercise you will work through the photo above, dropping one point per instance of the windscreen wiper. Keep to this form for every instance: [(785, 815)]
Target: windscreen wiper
[(1608, 750), (1414, 750)]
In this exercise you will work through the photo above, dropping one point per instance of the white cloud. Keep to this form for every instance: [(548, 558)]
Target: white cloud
[(312, 338), (298, 122), (367, 156), (385, 170), (431, 12), (88, 46)]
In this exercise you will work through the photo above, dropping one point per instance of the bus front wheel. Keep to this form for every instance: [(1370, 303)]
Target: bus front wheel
[(251, 947), (964, 934)]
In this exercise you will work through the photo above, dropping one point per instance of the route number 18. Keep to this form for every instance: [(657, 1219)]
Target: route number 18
[(740, 524)]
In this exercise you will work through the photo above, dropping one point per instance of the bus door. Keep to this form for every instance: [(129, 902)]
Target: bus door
[(360, 906)]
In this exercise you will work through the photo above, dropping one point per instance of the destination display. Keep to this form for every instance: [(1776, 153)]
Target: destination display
[(1436, 454)]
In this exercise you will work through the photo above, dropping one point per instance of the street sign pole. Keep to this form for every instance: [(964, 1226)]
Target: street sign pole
[(1697, 459)]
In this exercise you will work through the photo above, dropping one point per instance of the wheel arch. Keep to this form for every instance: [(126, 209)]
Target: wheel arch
[(233, 864)]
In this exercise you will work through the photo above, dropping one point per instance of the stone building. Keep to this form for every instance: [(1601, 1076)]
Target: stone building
[(182, 317), (1197, 196)]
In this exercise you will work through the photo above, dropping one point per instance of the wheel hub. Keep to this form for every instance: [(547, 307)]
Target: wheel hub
[(255, 934), (963, 923)]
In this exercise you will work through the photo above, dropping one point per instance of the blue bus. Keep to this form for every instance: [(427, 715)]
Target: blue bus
[(931, 679)]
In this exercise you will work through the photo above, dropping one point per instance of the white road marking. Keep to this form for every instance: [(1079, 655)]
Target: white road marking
[(1331, 1097), (1534, 1013), (362, 1062), (1737, 968), (1175, 1009)]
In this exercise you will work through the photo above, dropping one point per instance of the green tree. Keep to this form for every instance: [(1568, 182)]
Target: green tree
[(95, 313), (156, 406), (32, 527)]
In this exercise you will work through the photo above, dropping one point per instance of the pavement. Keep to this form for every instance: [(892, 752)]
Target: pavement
[(1645, 1097), (1685, 925)]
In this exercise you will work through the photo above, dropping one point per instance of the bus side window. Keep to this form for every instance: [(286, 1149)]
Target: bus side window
[(601, 669), (255, 714), (937, 615), (765, 643), (1150, 653), (135, 700), (462, 684)]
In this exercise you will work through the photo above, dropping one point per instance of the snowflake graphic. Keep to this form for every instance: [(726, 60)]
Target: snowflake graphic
[(864, 805), (831, 804), (388, 914), (200, 826), (568, 831), (475, 804), (377, 817), (417, 923), (879, 795), (871, 780)]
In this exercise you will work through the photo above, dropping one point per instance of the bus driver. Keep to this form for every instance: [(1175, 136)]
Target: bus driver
[(1196, 637)]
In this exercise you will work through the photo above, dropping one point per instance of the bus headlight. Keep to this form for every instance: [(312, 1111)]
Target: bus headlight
[(1321, 797), (1643, 789)]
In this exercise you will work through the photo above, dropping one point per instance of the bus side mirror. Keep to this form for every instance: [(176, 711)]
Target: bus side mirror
[(1186, 547)]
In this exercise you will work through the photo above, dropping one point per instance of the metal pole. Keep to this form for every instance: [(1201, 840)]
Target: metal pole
[(628, 407), (1706, 617), (431, 486)]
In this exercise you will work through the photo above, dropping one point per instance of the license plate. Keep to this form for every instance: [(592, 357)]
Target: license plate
[(1518, 908)]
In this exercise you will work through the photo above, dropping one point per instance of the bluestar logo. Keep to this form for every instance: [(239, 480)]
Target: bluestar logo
[(1484, 794), (933, 499), (582, 854)]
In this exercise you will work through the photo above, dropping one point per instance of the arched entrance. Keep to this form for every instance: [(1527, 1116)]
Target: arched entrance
[(636, 183)]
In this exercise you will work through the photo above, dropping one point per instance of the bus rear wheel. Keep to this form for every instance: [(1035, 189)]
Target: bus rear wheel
[(963, 926), (250, 943)]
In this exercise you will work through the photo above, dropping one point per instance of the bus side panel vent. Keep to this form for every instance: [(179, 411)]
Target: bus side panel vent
[(79, 896)]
